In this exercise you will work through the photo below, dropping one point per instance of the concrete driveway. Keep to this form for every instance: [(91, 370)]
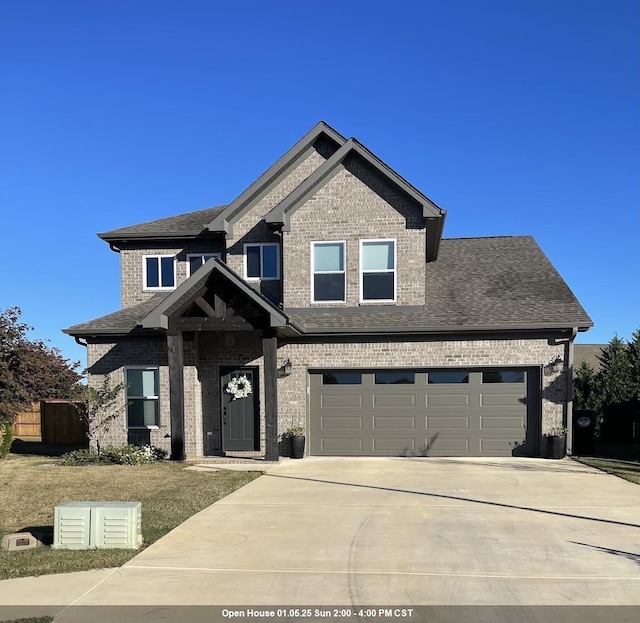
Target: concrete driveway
[(362, 531)]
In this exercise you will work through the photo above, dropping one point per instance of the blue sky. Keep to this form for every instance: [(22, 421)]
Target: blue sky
[(517, 117)]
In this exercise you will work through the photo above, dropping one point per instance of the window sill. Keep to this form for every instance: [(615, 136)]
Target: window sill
[(385, 302), (143, 428)]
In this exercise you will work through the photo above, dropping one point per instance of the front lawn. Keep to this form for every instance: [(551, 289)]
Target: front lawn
[(629, 470), (31, 486)]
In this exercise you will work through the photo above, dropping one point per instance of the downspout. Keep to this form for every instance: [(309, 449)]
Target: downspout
[(569, 423)]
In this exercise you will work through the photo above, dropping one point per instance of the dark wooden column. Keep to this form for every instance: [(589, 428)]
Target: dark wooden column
[(176, 394), (269, 352)]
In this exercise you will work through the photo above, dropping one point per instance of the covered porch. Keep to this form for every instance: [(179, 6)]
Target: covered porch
[(228, 333)]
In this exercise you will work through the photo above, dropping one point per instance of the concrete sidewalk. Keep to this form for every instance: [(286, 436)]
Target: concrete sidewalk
[(494, 532)]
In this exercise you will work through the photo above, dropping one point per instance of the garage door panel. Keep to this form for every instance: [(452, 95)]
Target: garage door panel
[(512, 422), (448, 446), (501, 400), (492, 417), (342, 423), (394, 422), (443, 422), (447, 400), (342, 446), (394, 400), (340, 402), (394, 447), (499, 447)]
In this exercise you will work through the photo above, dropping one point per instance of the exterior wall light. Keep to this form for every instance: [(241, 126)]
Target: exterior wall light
[(285, 369), (554, 366)]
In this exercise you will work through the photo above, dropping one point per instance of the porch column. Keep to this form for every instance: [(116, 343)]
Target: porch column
[(269, 352), (175, 349)]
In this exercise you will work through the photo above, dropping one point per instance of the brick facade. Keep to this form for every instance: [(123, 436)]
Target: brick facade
[(131, 265), (355, 205), (207, 353)]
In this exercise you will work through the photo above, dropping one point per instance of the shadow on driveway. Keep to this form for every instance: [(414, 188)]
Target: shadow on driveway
[(455, 497)]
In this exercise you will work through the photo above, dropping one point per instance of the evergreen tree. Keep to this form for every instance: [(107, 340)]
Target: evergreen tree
[(633, 350), (615, 372), (616, 390), (586, 394)]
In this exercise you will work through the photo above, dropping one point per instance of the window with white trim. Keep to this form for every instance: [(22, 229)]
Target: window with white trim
[(328, 279), (159, 272), (377, 271), (142, 397), (262, 260), (196, 260)]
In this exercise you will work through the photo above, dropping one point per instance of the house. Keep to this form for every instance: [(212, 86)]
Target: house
[(588, 353), (325, 296)]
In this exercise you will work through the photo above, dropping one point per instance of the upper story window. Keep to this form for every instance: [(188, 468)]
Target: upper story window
[(142, 397), (262, 260), (159, 272), (195, 260), (377, 270), (329, 283)]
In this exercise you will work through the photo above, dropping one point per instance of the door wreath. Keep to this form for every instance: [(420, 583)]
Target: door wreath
[(240, 387)]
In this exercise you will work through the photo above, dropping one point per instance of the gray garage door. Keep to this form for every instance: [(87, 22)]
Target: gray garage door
[(452, 412)]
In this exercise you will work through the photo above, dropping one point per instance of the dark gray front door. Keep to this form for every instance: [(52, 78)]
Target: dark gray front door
[(239, 415)]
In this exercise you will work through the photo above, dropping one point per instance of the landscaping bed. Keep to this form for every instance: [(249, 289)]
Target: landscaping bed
[(31, 486)]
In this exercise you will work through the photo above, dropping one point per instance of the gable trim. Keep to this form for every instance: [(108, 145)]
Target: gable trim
[(224, 221), (280, 215), (196, 285)]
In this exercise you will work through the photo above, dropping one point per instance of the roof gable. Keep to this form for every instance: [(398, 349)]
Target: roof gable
[(281, 214), (197, 286), (224, 221)]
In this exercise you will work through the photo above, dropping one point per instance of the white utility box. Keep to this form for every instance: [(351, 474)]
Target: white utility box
[(89, 525)]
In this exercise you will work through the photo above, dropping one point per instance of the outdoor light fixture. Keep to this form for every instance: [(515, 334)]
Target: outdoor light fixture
[(555, 365), (285, 368)]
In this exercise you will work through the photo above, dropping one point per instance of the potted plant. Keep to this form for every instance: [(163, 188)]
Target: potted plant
[(295, 434), (555, 443)]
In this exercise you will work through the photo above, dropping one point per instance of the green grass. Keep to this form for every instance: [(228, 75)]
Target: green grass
[(629, 470), (31, 486)]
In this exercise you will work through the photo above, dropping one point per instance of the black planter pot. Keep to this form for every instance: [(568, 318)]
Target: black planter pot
[(297, 447), (555, 447)]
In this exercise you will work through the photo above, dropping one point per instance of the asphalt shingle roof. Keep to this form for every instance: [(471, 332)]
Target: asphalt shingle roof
[(189, 224), (475, 284), (588, 353), (120, 322)]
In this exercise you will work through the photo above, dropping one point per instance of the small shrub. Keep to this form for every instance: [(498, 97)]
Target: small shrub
[(124, 455), (84, 457), (6, 438), (134, 455)]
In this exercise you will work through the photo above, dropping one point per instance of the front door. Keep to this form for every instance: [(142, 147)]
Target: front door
[(239, 392)]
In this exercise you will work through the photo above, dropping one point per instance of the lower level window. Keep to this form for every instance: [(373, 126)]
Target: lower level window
[(142, 397)]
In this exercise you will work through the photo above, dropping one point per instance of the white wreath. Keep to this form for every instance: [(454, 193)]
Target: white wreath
[(239, 387)]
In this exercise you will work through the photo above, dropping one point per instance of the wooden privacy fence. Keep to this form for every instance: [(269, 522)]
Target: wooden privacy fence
[(61, 424), (27, 423)]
